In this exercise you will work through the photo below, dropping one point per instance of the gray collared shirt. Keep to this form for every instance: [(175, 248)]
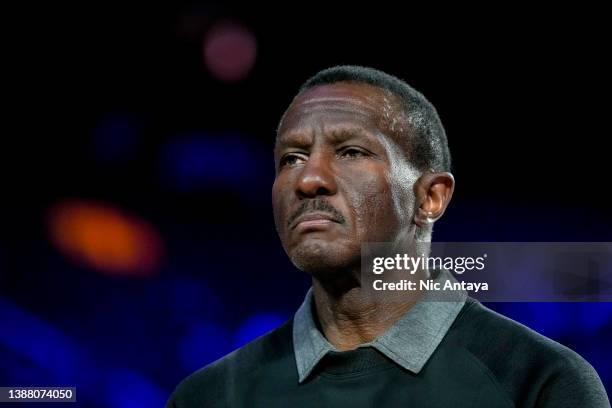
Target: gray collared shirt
[(410, 342)]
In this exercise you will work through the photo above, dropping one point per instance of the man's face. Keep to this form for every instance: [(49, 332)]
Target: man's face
[(342, 178)]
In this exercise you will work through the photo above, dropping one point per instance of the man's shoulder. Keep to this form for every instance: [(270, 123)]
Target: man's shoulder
[(487, 333), (521, 359), (208, 383)]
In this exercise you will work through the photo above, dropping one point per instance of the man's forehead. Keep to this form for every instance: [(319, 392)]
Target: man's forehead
[(361, 102), (344, 92)]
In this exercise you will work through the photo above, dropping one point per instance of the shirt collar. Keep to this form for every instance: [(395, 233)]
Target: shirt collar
[(410, 342)]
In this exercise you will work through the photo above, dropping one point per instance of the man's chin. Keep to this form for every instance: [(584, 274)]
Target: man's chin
[(324, 259)]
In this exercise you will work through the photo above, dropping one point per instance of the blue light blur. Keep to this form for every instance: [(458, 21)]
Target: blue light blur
[(203, 343), (194, 161), (255, 326)]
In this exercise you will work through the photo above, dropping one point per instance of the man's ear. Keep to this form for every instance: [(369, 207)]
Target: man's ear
[(433, 191)]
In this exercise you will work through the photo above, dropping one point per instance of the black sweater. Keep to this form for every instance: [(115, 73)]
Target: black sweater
[(485, 360)]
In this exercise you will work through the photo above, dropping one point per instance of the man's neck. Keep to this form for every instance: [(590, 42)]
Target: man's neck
[(350, 318)]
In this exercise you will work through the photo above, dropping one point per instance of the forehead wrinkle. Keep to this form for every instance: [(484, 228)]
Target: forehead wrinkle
[(341, 104), (338, 109), (373, 96), (362, 100)]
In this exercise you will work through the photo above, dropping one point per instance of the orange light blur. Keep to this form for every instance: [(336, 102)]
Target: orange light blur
[(105, 238)]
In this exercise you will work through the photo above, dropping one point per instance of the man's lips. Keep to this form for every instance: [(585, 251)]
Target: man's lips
[(314, 218)]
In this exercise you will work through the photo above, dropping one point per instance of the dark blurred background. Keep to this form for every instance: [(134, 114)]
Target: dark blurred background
[(137, 239)]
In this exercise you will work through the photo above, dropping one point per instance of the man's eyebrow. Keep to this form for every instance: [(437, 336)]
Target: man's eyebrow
[(343, 133), (298, 139)]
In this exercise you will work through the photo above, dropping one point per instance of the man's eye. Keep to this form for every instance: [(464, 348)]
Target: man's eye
[(290, 160), (352, 152)]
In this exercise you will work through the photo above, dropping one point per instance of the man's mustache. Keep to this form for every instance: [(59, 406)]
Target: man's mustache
[(316, 205)]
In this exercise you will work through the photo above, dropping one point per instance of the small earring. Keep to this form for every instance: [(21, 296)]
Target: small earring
[(429, 219)]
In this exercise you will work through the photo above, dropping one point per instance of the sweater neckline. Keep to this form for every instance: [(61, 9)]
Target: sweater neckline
[(351, 361)]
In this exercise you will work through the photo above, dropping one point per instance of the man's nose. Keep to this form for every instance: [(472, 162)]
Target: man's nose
[(317, 178)]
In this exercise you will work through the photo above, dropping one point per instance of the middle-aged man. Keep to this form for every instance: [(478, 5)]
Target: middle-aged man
[(363, 157)]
